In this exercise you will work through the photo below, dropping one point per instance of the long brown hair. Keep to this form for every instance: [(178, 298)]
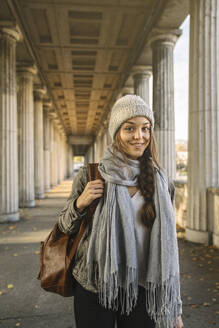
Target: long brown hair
[(146, 177)]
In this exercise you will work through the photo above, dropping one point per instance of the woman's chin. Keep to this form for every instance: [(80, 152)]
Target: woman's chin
[(135, 154)]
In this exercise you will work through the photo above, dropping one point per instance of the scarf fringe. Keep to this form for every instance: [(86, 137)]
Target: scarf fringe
[(162, 302), (161, 299), (115, 294)]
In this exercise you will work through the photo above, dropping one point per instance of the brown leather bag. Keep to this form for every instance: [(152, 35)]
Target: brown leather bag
[(58, 250)]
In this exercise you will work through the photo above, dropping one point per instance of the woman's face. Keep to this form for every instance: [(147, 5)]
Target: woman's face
[(135, 136)]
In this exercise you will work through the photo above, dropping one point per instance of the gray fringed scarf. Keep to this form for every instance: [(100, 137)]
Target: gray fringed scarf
[(112, 248)]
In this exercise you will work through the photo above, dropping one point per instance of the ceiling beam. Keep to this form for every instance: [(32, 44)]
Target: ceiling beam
[(80, 140)]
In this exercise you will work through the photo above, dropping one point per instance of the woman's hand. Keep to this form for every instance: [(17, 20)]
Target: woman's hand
[(178, 322), (93, 190)]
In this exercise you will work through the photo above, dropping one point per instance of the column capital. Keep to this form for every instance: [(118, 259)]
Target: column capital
[(60, 128), (62, 132), (101, 131), (166, 37), (47, 104), (57, 123), (10, 29), (39, 92), (52, 114), (127, 90), (142, 70), (25, 68)]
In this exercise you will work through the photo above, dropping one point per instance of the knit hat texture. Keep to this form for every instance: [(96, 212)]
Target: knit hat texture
[(127, 107)]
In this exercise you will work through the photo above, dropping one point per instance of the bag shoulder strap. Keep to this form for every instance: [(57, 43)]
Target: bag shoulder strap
[(93, 174)]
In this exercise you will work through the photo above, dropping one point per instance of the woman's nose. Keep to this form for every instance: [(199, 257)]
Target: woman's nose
[(138, 134)]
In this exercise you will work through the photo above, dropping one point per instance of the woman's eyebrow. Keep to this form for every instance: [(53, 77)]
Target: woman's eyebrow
[(130, 122)]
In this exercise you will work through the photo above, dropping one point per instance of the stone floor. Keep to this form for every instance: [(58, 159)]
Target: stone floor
[(24, 304)]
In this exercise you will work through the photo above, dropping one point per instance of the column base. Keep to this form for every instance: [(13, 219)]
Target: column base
[(30, 203), (39, 196), (12, 217), (216, 240), (47, 190), (197, 236)]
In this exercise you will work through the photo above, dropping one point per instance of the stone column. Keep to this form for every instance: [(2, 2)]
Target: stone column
[(56, 155), (62, 151), (47, 144), (63, 138), (90, 154), (126, 90), (97, 149), (203, 159), (64, 155), (104, 142), (8, 126), (71, 160), (52, 149), (38, 143), (25, 75), (62, 164), (59, 155), (141, 77), (66, 158), (162, 44), (63, 145), (109, 141), (68, 164), (86, 158)]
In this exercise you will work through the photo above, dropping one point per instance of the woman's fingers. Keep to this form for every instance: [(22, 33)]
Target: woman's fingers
[(93, 190), (97, 191), (178, 323), (96, 184), (96, 181), (95, 187)]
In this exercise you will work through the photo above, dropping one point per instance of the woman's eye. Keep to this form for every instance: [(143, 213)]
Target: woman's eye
[(129, 128), (132, 129)]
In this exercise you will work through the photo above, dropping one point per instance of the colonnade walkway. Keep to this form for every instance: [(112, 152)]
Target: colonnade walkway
[(24, 304)]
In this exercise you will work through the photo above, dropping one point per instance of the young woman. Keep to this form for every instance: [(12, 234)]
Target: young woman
[(126, 266)]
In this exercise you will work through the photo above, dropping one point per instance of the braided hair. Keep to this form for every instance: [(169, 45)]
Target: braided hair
[(146, 179)]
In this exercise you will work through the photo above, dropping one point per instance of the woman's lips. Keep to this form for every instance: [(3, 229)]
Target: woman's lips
[(137, 145)]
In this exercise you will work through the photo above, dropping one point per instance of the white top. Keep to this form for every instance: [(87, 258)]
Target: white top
[(142, 235)]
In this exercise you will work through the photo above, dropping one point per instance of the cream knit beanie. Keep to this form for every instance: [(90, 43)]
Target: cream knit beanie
[(127, 107)]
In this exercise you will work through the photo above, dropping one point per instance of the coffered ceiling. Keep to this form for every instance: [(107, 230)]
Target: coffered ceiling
[(85, 49)]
